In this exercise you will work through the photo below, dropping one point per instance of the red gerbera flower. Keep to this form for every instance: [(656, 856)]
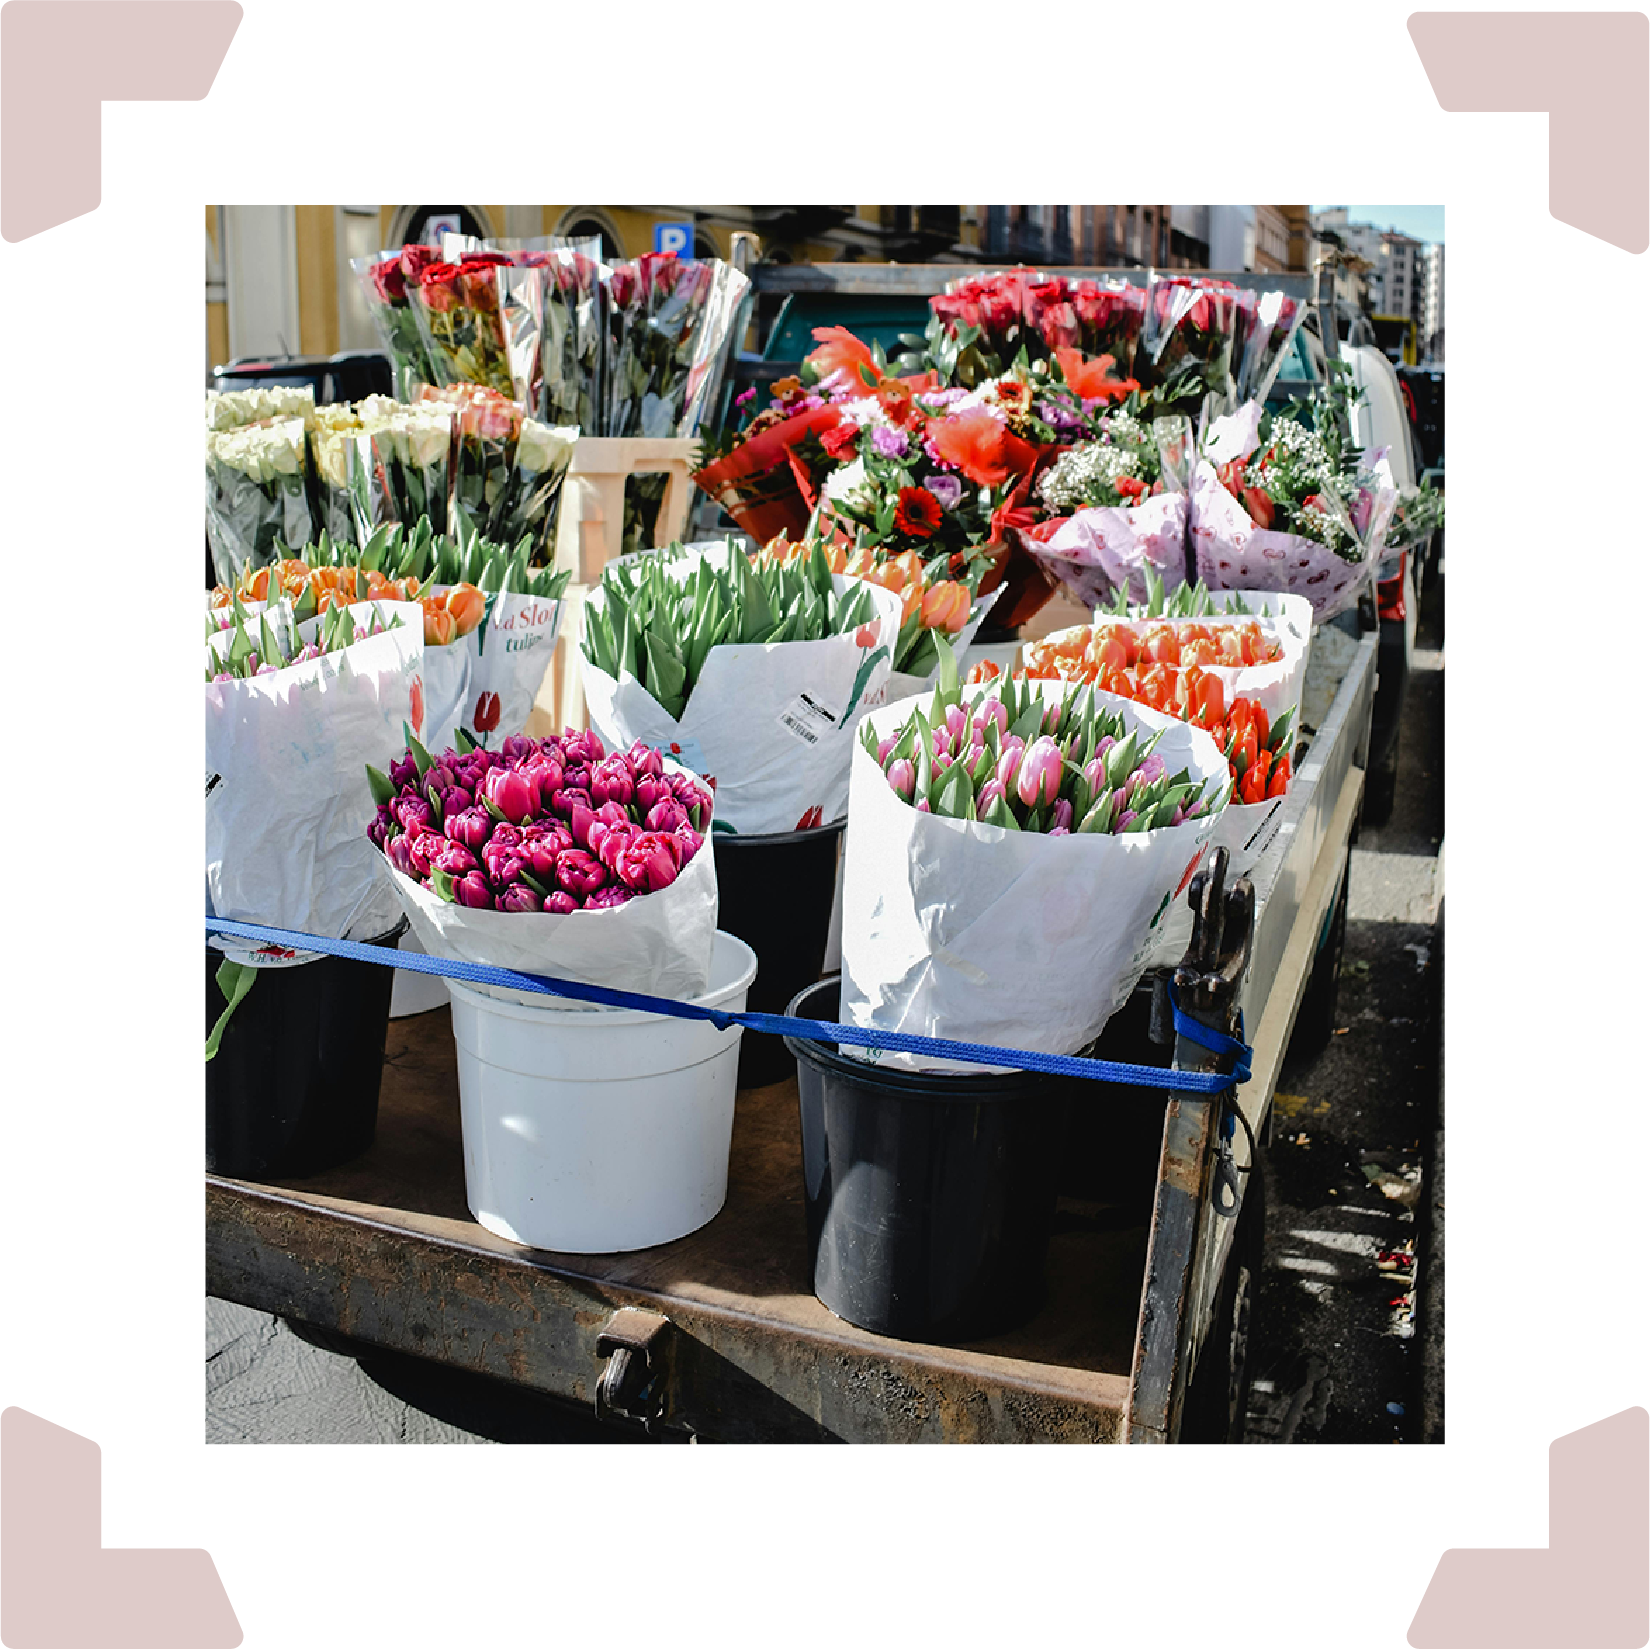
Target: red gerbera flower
[(918, 513)]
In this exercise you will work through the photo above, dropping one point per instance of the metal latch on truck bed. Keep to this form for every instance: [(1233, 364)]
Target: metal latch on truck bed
[(632, 1384)]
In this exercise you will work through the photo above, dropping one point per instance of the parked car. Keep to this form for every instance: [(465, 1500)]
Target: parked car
[(351, 375)]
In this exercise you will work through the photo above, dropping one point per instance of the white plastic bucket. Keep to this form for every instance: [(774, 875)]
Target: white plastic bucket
[(598, 1130), (415, 992)]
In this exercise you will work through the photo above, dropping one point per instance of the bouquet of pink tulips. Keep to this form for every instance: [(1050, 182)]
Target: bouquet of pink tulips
[(1005, 758), (1010, 856), (553, 856), (544, 824)]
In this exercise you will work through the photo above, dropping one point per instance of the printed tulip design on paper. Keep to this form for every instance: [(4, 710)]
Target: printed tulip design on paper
[(417, 706), (485, 716)]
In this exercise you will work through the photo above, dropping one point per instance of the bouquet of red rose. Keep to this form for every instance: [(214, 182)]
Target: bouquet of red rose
[(669, 321), (980, 326), (385, 281), (1272, 323), (571, 342), (1187, 338), (456, 307)]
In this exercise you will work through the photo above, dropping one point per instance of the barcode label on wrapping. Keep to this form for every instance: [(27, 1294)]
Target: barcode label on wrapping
[(807, 719)]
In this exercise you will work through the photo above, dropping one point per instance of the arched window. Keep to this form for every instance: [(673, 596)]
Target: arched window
[(410, 222), (587, 222)]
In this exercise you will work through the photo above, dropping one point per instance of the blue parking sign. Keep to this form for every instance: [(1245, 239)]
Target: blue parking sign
[(673, 237)]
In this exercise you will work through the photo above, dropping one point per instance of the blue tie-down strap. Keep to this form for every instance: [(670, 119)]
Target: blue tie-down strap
[(774, 1024), (1225, 1192), (1217, 1042)]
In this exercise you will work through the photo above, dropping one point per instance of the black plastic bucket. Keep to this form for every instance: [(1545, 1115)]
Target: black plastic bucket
[(775, 893), (293, 1089), (930, 1199)]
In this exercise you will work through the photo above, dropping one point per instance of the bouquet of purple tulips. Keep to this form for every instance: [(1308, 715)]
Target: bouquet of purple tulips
[(1011, 853), (553, 856)]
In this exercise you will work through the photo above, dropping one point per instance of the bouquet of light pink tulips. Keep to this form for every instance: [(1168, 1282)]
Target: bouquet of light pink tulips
[(554, 856), (1010, 855), (1006, 758)]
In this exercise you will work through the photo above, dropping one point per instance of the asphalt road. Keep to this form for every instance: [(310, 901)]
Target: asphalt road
[(1346, 1331)]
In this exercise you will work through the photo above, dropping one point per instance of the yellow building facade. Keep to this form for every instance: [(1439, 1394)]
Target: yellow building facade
[(278, 278)]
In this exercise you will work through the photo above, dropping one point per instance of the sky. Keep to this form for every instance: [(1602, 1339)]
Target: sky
[(1421, 222)]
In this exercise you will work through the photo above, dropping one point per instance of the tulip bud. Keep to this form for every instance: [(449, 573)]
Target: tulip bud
[(561, 904), (576, 776), (991, 792), (471, 826), (922, 805), (645, 762), (1060, 818), (1037, 782), (885, 749), (404, 772), (650, 791), (667, 816), (614, 840), (513, 793), (455, 859), (609, 897), (455, 800), (579, 824), (398, 854), (504, 835), (902, 775), (584, 746), (473, 892), (991, 710), (956, 723), (423, 846), (611, 781), (566, 799), (516, 746), (649, 861), (1009, 760), (502, 864), (519, 897), (1124, 820), (578, 873), (691, 841)]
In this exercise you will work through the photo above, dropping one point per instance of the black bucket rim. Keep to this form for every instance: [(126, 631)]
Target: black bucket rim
[(955, 1088), (775, 838), (393, 935)]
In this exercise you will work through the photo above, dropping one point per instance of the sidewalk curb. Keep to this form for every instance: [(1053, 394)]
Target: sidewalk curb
[(1430, 1264)]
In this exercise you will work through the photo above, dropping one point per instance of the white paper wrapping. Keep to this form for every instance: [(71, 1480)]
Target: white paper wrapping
[(512, 647), (983, 934), (659, 943), (287, 800), (771, 722), (1099, 551)]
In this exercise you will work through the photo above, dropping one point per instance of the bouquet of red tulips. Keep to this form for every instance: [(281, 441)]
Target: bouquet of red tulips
[(554, 856)]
